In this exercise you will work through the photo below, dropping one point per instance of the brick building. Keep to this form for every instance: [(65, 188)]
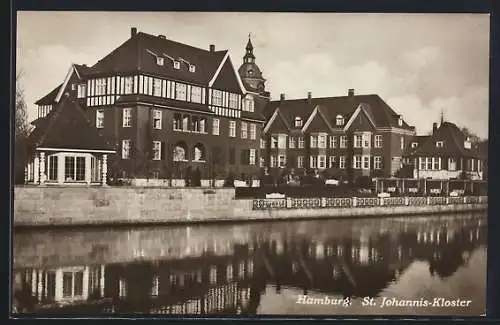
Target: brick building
[(347, 137), (167, 108)]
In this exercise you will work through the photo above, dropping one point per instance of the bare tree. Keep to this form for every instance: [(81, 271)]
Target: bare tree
[(22, 127), (474, 139), (22, 131)]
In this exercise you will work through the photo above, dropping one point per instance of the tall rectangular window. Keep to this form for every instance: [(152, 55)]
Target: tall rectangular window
[(437, 163), (253, 131), (129, 85), (177, 122), (333, 142), (343, 141), (281, 161), (180, 91), (332, 162), (252, 157), (377, 162), (248, 104), (52, 168), (196, 94), (100, 86), (301, 142), (156, 150), (274, 142), (273, 161), (157, 87), (215, 126), (402, 143), (366, 140), (127, 117), (378, 141), (282, 141), (366, 162), (203, 122), (313, 163), (357, 141), (232, 129), (74, 169), (157, 119), (314, 141), (233, 100), (244, 130), (262, 144), (321, 161), (428, 161), (322, 141), (125, 149), (99, 118), (356, 163), (342, 160), (82, 91), (300, 162), (216, 97), (291, 142)]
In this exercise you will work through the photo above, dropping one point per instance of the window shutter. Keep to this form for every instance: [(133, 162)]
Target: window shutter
[(163, 150)]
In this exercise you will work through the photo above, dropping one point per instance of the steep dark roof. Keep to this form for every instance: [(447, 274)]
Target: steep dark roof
[(381, 113), (67, 128), (419, 139), (453, 143), (50, 98), (135, 54)]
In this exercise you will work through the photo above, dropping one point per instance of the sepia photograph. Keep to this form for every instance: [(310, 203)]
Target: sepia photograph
[(250, 164)]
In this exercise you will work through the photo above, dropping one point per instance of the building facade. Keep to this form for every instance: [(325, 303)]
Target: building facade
[(169, 109), (447, 153), (346, 137)]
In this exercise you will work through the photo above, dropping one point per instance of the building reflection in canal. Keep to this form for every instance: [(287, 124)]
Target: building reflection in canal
[(228, 269)]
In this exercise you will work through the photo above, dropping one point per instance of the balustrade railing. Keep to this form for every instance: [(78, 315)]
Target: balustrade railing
[(362, 202)]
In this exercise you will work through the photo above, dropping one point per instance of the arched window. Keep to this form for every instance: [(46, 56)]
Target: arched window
[(199, 152), (180, 151), (339, 120), (298, 122)]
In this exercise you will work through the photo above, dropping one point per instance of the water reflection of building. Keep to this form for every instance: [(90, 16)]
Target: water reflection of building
[(363, 264), (60, 287), (208, 284), (231, 278)]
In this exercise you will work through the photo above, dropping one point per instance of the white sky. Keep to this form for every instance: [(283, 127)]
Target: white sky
[(420, 64)]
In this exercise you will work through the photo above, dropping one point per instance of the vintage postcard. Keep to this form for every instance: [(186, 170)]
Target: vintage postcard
[(195, 163)]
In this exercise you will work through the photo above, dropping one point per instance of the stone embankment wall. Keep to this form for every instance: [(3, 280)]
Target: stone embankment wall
[(84, 206)]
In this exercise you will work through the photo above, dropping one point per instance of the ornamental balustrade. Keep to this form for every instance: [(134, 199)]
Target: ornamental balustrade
[(362, 202)]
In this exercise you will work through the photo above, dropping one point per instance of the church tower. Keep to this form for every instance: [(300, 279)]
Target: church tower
[(250, 72)]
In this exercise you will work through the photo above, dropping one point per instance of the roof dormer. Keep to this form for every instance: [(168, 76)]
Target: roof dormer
[(339, 120), (467, 143), (298, 122)]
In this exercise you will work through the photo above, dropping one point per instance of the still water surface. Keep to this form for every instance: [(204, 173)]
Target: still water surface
[(257, 268)]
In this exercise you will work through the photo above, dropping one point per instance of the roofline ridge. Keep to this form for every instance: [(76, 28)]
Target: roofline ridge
[(178, 42)]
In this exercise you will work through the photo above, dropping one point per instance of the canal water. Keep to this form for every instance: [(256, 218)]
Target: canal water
[(411, 265)]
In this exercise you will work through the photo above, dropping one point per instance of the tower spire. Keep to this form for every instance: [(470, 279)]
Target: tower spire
[(442, 117)]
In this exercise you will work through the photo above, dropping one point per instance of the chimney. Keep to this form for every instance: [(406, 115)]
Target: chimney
[(162, 36), (133, 31), (434, 127), (212, 48), (350, 92), (282, 97), (309, 96)]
